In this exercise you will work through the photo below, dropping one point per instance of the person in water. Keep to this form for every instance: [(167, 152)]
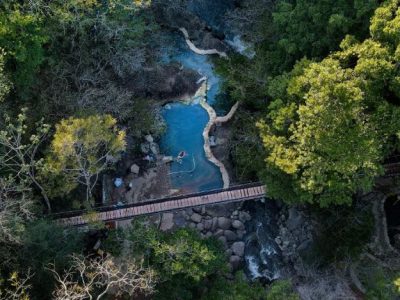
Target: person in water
[(180, 156)]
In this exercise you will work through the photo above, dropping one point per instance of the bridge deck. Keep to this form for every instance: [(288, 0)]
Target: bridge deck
[(238, 193)]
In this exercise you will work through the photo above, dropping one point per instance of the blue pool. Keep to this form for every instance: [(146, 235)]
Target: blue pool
[(185, 124)]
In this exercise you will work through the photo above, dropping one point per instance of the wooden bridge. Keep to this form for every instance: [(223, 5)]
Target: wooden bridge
[(244, 192)]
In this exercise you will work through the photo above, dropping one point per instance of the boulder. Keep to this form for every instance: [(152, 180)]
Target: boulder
[(235, 261), (149, 138), (294, 220), (238, 248), (167, 159), (224, 223), (192, 225), (195, 218), (208, 234), (238, 225), (197, 209), (230, 235), (167, 221), (219, 233), (214, 225), (135, 169), (240, 234), (145, 148), (154, 148), (208, 224), (223, 240), (244, 216), (200, 227), (224, 210)]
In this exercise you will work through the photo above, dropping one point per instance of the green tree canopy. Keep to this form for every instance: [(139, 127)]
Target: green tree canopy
[(329, 134), (23, 38), (83, 147)]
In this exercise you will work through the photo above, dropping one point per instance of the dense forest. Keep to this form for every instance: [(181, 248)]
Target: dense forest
[(83, 83)]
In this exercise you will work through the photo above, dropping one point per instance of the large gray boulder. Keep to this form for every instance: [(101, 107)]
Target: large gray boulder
[(238, 225), (238, 248), (224, 223), (235, 261), (294, 220), (196, 218), (230, 235), (223, 240), (208, 224), (244, 216)]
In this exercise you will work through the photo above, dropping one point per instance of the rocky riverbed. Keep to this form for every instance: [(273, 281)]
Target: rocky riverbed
[(225, 222)]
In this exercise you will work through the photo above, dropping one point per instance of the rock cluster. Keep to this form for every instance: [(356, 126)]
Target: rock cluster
[(295, 234), (224, 224), (149, 146)]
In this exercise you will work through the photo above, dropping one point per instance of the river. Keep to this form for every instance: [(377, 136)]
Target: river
[(185, 124)]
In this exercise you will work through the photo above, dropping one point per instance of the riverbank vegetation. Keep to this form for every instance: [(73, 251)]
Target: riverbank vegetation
[(322, 93), (79, 84), (77, 89)]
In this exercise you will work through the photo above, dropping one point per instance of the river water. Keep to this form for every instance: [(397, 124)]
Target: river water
[(185, 124)]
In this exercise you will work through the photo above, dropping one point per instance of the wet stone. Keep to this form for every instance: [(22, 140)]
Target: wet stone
[(196, 218), (238, 248), (224, 223), (230, 235)]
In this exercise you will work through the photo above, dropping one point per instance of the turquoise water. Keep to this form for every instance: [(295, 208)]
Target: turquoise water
[(185, 124), (184, 133)]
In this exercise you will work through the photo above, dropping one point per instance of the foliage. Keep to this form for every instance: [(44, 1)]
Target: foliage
[(15, 287), (4, 81), (97, 277), (314, 28), (238, 289), (16, 209), (182, 259), (82, 148), (328, 135), (19, 152), (380, 284), (22, 37), (96, 47), (282, 290), (44, 243), (246, 148), (343, 233), (185, 253)]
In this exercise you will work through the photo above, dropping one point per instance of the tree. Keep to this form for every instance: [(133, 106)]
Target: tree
[(43, 243), (16, 209), (22, 37), (4, 81), (95, 278), (19, 152), (238, 289), (82, 148), (183, 260), (329, 132), (15, 288)]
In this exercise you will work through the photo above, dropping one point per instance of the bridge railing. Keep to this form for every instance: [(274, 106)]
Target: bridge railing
[(74, 213)]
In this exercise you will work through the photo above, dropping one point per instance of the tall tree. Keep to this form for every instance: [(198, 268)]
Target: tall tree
[(19, 152), (82, 148), (337, 120)]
